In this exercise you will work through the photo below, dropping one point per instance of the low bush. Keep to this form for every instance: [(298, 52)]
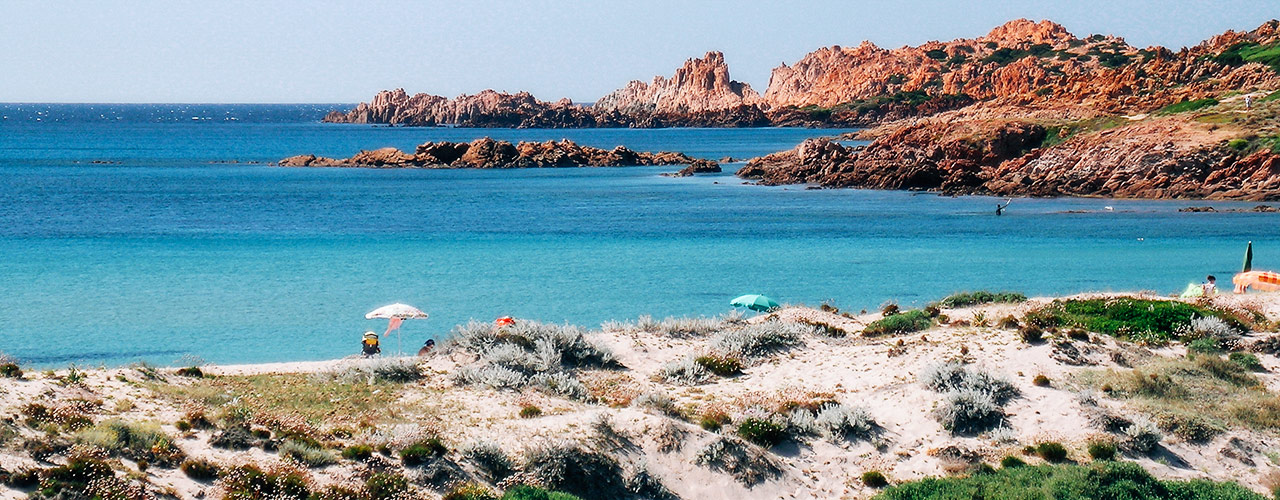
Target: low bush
[(837, 421), (1203, 346), (82, 477), (760, 339), (684, 371), (966, 299), (490, 459), (1102, 450), (762, 432), (659, 401), (358, 452), (1041, 381), (747, 465), (191, 371), (469, 491), (306, 454), (576, 470), (1051, 451), (1010, 461), (10, 370), (874, 479), (1031, 334), (954, 376), (250, 482), (713, 420), (969, 411), (525, 492), (902, 323), (720, 365), (530, 411), (1245, 360), (1008, 323), (200, 469), (422, 451), (387, 486), (1141, 436), (1110, 479), (134, 441)]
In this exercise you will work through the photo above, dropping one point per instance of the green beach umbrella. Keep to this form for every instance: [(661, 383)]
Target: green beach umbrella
[(754, 302), (1248, 258)]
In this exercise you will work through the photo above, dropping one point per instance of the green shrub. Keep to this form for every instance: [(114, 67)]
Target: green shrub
[(966, 299), (307, 454), (133, 440), (1125, 317), (530, 411), (191, 371), (247, 482), (1102, 450), (199, 469), (422, 451), (936, 54), (761, 432), (1238, 144), (1245, 360), (723, 366), (1110, 479), (874, 479), (1051, 451), (387, 486), (1008, 322), (469, 491), (524, 492), (10, 370), (1031, 334), (357, 452), (1204, 346), (1010, 461), (1187, 106), (907, 322)]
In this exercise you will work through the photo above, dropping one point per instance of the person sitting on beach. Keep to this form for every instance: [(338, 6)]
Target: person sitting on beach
[(369, 346), (1210, 286), (427, 347)]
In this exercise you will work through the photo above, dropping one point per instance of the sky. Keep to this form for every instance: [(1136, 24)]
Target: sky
[(344, 51)]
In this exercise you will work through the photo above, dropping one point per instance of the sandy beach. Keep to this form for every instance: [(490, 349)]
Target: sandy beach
[(644, 408)]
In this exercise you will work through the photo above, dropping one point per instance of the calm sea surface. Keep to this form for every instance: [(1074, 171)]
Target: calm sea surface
[(168, 251)]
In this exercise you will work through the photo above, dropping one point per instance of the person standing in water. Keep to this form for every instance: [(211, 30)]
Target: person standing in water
[(1000, 208)]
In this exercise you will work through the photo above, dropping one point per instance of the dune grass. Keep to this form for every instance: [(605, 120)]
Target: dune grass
[(897, 324), (1118, 480), (316, 398), (1195, 398)]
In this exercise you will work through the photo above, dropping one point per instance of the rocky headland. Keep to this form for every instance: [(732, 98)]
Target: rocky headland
[(490, 153), (1027, 109)]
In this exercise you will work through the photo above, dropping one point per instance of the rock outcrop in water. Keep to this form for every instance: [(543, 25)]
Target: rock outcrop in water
[(699, 94), (1162, 158), (487, 109), (489, 153)]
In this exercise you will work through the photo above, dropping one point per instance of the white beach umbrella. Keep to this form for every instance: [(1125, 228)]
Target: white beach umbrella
[(397, 313), (402, 311)]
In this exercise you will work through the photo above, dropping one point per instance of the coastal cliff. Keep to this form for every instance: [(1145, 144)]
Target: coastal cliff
[(489, 153)]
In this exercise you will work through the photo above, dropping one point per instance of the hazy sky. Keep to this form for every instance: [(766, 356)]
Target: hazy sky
[(344, 51)]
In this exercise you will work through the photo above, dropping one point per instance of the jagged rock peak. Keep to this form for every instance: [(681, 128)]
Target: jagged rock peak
[(700, 84), (1026, 30)]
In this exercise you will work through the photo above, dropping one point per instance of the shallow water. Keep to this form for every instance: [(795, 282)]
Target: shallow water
[(162, 254)]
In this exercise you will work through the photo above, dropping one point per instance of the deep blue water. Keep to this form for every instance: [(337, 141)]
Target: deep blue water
[(167, 251)]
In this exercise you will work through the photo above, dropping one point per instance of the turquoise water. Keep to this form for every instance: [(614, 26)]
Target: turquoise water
[(164, 254)]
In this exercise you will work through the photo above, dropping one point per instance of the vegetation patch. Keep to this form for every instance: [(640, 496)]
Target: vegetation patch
[(1058, 134), (1187, 106), (134, 441), (1247, 52), (1194, 398), (1126, 317), (1098, 480), (911, 321), (313, 398), (966, 299)]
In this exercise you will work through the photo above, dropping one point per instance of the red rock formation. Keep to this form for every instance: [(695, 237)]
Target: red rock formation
[(486, 109), (488, 153), (701, 85)]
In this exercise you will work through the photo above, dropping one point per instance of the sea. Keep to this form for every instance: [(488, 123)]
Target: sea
[(163, 233)]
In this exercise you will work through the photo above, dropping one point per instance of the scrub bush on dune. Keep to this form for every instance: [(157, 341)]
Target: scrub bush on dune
[(684, 371), (746, 464), (576, 470), (973, 399), (911, 321), (760, 339), (490, 459), (529, 353), (675, 327)]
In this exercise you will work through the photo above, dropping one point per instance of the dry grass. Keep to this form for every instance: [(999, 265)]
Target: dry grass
[(1194, 398), (317, 399)]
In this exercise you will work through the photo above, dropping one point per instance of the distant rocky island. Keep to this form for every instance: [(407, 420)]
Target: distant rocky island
[(1028, 109), (489, 153)]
